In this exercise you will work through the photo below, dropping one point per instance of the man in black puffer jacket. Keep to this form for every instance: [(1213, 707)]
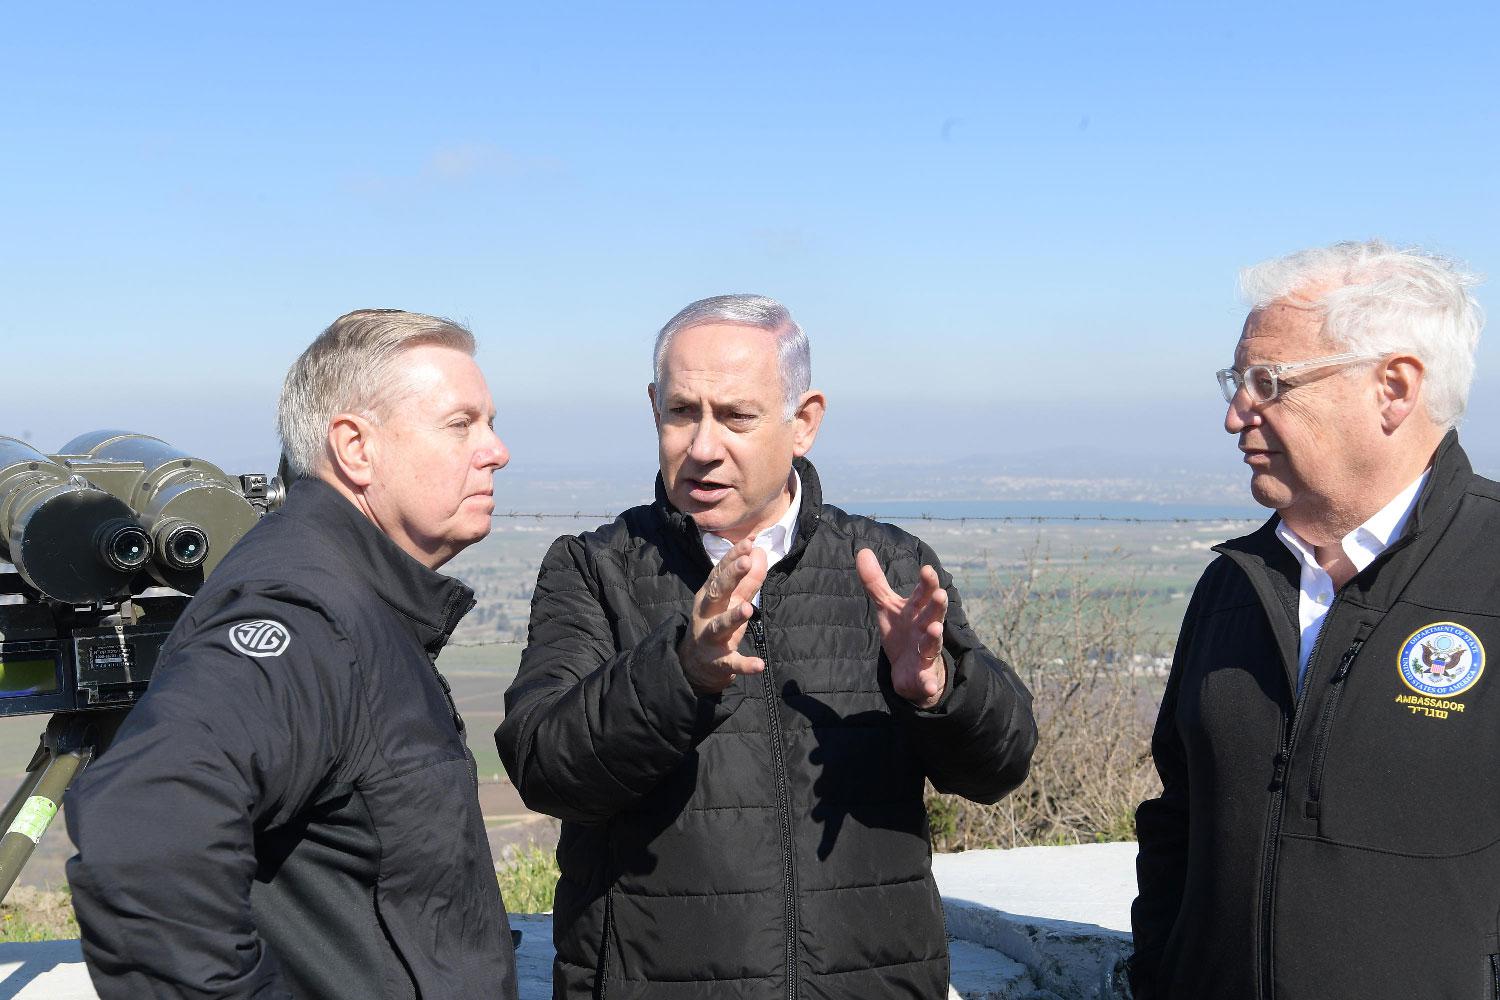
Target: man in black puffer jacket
[(733, 709), (290, 812)]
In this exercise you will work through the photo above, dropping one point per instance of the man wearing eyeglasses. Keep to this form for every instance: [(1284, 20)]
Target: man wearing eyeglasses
[(1329, 825)]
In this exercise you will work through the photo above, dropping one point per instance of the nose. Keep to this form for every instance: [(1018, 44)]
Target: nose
[(492, 454), (1241, 413), (707, 447)]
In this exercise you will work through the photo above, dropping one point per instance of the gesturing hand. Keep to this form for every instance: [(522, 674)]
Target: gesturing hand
[(710, 651), (911, 630)]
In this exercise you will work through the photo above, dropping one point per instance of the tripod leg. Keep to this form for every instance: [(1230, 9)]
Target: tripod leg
[(32, 817), (23, 792)]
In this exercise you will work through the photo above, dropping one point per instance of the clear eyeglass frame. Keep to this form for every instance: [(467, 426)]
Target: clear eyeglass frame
[(1263, 382)]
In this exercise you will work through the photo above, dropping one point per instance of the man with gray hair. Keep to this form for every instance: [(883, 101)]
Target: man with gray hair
[(1329, 826), (733, 708), (291, 810)]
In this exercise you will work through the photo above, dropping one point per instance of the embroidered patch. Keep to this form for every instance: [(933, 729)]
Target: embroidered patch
[(260, 638), (1441, 660)]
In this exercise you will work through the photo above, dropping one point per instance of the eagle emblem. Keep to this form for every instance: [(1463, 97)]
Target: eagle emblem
[(1441, 656), (1441, 660)]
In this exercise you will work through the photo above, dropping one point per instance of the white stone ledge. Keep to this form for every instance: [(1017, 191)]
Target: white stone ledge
[(1062, 912), (1037, 923)]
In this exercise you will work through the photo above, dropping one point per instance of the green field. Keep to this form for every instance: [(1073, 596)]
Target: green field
[(1157, 562), (480, 675)]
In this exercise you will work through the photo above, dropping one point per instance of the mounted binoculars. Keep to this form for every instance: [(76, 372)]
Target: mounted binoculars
[(91, 532)]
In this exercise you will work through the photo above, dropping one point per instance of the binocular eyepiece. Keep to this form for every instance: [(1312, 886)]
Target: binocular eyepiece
[(84, 525), (123, 546)]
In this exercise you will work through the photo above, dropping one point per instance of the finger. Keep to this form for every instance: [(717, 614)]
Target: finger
[(927, 585), (935, 609), (722, 627), (873, 577), (745, 665), (733, 665), (927, 596), (723, 579), (931, 642), (753, 577)]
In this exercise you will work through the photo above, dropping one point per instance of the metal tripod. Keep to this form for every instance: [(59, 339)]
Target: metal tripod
[(71, 741)]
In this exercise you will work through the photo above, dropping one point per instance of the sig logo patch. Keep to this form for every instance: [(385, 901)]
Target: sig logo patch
[(260, 638), (1441, 660)]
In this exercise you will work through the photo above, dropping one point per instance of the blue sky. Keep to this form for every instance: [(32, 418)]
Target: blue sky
[(1011, 231)]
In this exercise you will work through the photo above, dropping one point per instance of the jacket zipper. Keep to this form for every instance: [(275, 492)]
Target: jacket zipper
[(1277, 809), (1325, 721), (783, 804), (458, 720), (1495, 976)]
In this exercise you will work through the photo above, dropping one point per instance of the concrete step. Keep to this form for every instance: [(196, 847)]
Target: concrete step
[(54, 970), (1037, 923), (1062, 912)]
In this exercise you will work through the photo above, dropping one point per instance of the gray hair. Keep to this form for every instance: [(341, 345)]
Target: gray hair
[(793, 355), (351, 368), (1378, 299)]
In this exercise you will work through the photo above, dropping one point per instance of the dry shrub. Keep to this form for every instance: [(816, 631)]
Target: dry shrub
[(528, 879), (30, 914), (1094, 671)]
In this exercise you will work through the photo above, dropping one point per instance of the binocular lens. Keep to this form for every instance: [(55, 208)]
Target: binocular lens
[(124, 547), (185, 547)]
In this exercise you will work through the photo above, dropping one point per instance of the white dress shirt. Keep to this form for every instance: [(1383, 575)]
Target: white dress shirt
[(1361, 545), (776, 540)]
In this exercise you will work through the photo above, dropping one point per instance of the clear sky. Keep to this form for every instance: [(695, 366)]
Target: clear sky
[(1010, 230)]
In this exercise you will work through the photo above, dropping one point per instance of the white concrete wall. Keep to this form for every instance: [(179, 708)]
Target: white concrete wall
[(1038, 923), (1061, 912)]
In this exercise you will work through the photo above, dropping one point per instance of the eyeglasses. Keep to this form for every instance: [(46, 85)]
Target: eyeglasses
[(1263, 382)]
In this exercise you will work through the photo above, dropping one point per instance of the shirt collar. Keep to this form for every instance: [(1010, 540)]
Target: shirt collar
[(776, 540), (1365, 543)]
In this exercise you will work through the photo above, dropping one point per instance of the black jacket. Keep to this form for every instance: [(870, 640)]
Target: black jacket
[(1344, 842), (290, 811), (769, 842)]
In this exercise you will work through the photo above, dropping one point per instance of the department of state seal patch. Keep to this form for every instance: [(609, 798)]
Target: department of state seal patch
[(1441, 660), (262, 637)]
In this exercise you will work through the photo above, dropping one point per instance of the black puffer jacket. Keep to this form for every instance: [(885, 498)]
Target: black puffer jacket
[(770, 842), (1344, 843), (290, 811)]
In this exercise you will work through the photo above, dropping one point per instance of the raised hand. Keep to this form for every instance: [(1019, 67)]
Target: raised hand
[(911, 630), (710, 651)]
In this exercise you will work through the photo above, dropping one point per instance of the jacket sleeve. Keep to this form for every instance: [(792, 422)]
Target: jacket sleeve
[(223, 744), (1161, 826), (589, 728), (977, 741)]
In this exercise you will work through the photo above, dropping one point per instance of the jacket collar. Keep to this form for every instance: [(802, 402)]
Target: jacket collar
[(1435, 505), (683, 530), (430, 603), (1451, 474), (1275, 575)]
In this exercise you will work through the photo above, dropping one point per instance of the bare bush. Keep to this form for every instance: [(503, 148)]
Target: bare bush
[(1093, 668)]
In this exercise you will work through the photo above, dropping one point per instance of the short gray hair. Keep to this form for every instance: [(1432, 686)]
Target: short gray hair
[(1378, 299), (350, 368), (793, 355)]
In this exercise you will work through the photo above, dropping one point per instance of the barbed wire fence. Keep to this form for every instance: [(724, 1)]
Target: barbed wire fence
[(958, 519)]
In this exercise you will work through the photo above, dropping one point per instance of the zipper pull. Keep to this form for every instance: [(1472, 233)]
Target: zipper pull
[(1278, 774), (1347, 660)]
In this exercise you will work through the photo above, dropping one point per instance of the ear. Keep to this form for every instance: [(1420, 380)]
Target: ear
[(351, 449), (807, 420), (655, 413), (1399, 387)]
